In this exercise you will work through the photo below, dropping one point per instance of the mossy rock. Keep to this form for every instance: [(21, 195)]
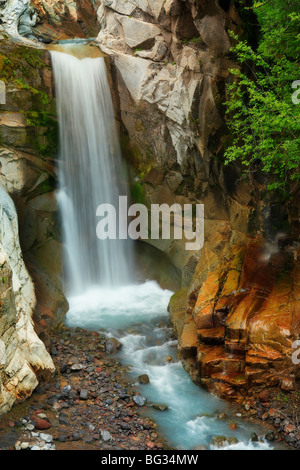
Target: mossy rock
[(22, 69), (177, 309), (223, 441)]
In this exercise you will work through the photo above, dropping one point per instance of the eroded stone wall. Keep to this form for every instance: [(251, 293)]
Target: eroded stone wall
[(170, 64), (23, 356)]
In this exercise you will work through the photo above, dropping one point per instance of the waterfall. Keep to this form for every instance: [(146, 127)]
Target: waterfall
[(90, 172)]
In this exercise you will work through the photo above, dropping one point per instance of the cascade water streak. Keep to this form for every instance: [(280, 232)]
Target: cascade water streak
[(90, 172)]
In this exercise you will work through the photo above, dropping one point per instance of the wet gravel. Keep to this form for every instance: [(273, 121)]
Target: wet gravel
[(90, 404)]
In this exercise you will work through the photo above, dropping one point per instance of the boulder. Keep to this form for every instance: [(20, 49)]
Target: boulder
[(223, 441), (112, 345), (138, 33), (264, 396), (139, 400), (41, 424), (160, 407), (144, 379)]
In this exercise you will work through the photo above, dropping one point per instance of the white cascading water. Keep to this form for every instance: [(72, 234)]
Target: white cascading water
[(90, 172), (97, 270)]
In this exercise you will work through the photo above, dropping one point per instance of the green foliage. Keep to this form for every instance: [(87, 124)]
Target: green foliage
[(138, 193), (42, 132), (263, 120)]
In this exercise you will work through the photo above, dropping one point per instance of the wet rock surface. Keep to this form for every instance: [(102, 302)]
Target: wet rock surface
[(89, 405), (223, 441), (237, 323)]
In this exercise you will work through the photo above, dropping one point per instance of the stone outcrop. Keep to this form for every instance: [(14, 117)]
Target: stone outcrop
[(11, 11), (23, 356), (64, 19), (241, 316), (28, 147)]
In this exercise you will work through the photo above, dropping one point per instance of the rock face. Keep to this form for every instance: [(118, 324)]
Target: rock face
[(11, 11), (240, 318), (28, 147), (169, 63), (28, 141), (47, 21), (23, 357), (63, 19), (237, 315)]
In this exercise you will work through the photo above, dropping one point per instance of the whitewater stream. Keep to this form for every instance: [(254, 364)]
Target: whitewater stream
[(137, 315), (99, 284)]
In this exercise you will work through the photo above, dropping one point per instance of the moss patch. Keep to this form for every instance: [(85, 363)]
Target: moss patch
[(23, 69)]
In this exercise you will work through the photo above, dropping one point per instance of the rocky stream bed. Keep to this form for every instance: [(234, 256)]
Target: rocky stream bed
[(92, 404), (89, 405)]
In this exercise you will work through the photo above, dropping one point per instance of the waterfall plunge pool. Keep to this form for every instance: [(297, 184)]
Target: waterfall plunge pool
[(137, 315)]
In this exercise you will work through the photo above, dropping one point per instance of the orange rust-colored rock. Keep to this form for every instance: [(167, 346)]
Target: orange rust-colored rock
[(41, 424), (204, 316), (212, 335), (234, 379), (246, 313), (264, 396), (212, 360)]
